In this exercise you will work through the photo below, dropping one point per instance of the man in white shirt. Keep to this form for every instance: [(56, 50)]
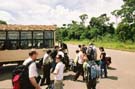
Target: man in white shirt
[(80, 65), (33, 73), (58, 72)]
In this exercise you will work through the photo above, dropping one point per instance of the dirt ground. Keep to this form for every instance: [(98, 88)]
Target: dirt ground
[(121, 75)]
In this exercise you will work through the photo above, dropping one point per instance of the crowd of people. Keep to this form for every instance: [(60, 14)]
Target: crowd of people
[(57, 62)]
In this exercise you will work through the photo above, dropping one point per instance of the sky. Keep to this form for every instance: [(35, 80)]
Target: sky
[(49, 12)]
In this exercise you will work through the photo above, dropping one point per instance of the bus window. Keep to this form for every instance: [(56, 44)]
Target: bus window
[(2, 39), (2, 45), (13, 35), (12, 41), (26, 39), (49, 39), (38, 39), (49, 35), (49, 43)]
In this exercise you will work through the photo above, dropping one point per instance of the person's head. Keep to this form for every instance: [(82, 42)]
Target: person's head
[(77, 51), (58, 58), (60, 49), (79, 46), (85, 57), (48, 52), (56, 47), (91, 44), (33, 54), (101, 49), (83, 45)]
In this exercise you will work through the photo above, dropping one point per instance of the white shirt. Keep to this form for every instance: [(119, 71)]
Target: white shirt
[(80, 60), (45, 58), (61, 53), (32, 68), (60, 69)]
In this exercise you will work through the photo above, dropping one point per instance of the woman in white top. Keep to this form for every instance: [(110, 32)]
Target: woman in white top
[(58, 73)]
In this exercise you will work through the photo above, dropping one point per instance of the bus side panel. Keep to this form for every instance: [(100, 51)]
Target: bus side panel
[(17, 55)]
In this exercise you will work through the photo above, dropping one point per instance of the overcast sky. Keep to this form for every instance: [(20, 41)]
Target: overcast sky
[(53, 11)]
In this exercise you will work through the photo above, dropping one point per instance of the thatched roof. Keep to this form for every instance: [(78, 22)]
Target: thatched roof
[(27, 27)]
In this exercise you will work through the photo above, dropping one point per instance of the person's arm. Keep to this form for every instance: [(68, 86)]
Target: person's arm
[(101, 56), (34, 83), (32, 74), (56, 71)]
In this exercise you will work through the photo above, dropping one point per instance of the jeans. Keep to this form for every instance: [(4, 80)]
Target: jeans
[(103, 69)]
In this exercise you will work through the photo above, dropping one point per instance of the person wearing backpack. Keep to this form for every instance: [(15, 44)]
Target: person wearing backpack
[(91, 52), (103, 62), (32, 71), (91, 72), (47, 60)]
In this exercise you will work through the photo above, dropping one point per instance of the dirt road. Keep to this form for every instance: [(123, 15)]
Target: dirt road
[(121, 76)]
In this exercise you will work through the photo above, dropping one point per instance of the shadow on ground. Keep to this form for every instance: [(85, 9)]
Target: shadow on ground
[(113, 77), (111, 68), (69, 77)]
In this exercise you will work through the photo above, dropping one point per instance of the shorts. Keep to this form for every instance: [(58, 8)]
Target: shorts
[(58, 84)]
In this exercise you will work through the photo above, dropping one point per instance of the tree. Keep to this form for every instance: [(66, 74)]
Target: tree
[(83, 18), (127, 24), (3, 22)]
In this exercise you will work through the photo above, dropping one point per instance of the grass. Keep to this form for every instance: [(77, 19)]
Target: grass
[(128, 46)]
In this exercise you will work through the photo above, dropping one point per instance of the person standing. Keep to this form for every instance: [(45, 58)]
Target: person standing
[(58, 73), (53, 55), (103, 62), (46, 68), (92, 52), (90, 82), (80, 65), (33, 73)]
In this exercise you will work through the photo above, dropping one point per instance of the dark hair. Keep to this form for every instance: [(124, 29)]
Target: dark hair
[(60, 49), (48, 51), (56, 47), (79, 46), (60, 57), (101, 48), (32, 53), (77, 51), (83, 45)]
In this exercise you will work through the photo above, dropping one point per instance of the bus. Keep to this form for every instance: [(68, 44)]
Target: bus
[(17, 40)]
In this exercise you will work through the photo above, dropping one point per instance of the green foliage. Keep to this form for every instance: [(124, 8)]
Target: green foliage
[(98, 27), (125, 29), (2, 22)]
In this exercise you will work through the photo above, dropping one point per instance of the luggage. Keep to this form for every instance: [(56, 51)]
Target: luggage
[(20, 77), (93, 70)]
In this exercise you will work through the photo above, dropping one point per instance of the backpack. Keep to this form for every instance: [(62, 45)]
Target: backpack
[(93, 70), (20, 77), (90, 53)]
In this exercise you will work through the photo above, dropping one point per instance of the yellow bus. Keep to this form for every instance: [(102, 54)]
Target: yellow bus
[(17, 40)]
